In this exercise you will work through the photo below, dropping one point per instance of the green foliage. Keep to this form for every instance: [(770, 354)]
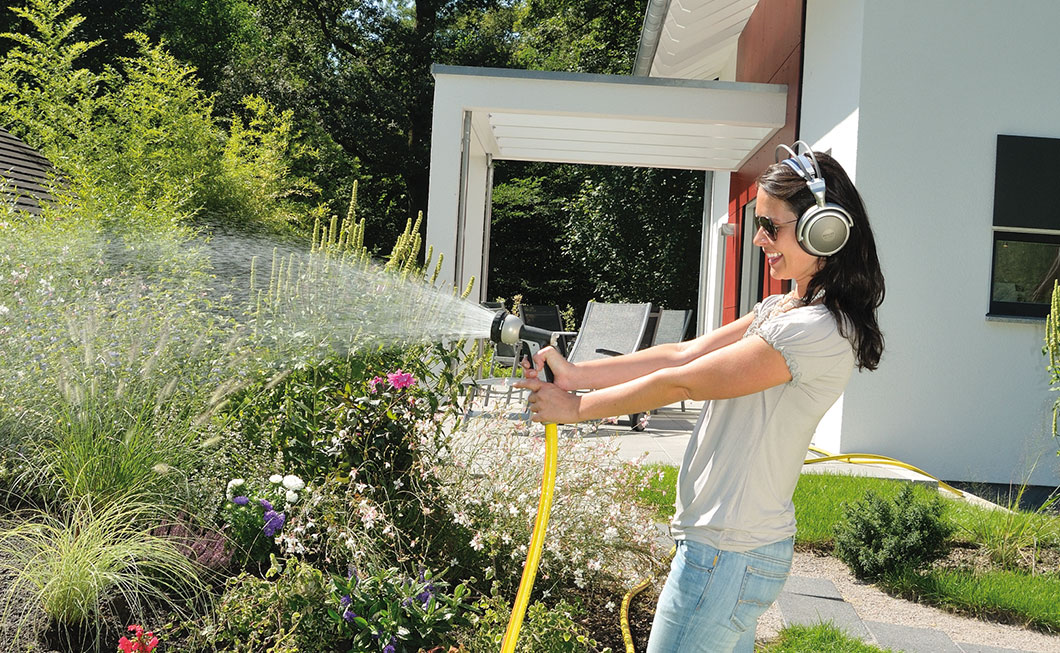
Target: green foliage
[(44, 98), (389, 609), (114, 360), (1013, 538), (256, 185), (881, 536), (822, 638), (77, 565), (820, 501), (1052, 350), (142, 134), (1018, 597), (592, 36), (634, 231), (527, 235), (285, 613), (660, 491), (545, 629)]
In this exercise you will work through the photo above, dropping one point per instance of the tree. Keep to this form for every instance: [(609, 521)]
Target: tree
[(361, 73)]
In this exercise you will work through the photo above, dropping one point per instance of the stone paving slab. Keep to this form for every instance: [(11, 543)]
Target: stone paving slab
[(979, 648), (810, 601), (910, 639)]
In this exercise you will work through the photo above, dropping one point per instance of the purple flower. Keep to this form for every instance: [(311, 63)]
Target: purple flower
[(349, 615), (399, 380), (265, 504), (240, 501), (389, 648), (345, 601), (273, 522), (424, 597)]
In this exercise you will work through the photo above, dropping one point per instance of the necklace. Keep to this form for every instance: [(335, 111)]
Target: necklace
[(791, 300)]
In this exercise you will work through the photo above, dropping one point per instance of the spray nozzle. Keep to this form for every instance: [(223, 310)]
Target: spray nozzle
[(510, 330)]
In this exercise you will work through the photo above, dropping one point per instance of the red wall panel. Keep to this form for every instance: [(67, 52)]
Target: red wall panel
[(769, 51)]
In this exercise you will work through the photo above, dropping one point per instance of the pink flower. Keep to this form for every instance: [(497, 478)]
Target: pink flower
[(399, 380), (374, 382)]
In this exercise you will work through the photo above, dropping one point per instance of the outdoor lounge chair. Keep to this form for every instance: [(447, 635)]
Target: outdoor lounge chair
[(672, 326), (611, 330)]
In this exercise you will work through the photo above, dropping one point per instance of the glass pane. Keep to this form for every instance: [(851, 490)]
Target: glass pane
[(1024, 271)]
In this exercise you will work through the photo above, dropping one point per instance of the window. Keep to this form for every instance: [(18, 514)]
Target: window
[(1026, 258), (753, 263)]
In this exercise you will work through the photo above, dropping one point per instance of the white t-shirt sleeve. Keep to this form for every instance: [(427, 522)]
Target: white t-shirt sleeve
[(809, 341)]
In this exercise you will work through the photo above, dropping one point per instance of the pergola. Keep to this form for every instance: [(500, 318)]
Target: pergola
[(482, 115)]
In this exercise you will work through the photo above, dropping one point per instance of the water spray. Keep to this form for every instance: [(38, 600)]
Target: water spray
[(510, 330)]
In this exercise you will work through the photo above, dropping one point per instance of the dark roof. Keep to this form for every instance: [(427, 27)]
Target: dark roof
[(25, 174)]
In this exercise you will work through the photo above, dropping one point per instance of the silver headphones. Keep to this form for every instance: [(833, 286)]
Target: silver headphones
[(824, 228)]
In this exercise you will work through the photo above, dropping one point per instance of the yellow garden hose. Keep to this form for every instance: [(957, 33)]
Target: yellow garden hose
[(537, 540), (872, 459)]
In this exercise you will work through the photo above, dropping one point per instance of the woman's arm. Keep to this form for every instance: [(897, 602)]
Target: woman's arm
[(739, 368), (608, 372)]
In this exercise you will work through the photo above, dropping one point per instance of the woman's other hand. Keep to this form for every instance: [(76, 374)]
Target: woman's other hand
[(551, 404)]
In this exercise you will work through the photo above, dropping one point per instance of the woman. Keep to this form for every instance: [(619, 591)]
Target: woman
[(768, 378)]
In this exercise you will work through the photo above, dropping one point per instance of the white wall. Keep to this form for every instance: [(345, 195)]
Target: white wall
[(960, 396)]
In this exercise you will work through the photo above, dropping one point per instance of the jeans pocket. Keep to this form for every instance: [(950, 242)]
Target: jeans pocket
[(699, 557), (759, 589)]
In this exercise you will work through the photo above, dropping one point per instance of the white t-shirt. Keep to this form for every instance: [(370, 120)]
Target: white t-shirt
[(742, 463)]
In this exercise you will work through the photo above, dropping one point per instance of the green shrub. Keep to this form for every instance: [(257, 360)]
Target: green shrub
[(285, 613), (880, 536), (545, 629)]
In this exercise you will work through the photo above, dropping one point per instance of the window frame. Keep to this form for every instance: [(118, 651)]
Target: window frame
[(1018, 309)]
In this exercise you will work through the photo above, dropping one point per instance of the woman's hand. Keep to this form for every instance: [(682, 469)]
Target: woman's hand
[(551, 404), (563, 371)]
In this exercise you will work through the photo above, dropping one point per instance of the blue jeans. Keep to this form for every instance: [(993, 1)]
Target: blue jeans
[(712, 599)]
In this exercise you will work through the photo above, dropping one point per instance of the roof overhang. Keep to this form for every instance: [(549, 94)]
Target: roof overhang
[(612, 119), (691, 39)]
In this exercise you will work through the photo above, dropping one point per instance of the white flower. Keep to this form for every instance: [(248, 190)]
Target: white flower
[(4, 310), (610, 533), (398, 484), (292, 482), (276, 478), (292, 496), (610, 606), (476, 542), (230, 491)]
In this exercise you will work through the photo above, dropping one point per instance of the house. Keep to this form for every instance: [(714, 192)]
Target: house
[(25, 173), (943, 112)]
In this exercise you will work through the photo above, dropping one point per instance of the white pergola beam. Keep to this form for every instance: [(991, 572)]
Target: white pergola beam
[(575, 118)]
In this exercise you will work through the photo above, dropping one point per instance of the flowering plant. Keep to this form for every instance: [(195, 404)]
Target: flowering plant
[(142, 642), (597, 535), (255, 525), (388, 611)]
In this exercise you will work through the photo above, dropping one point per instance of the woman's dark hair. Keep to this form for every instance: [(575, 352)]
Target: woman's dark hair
[(851, 278)]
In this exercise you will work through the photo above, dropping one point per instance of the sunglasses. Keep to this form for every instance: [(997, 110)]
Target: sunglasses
[(770, 227)]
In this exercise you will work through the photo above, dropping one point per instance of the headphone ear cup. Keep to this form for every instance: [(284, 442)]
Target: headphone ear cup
[(823, 230)]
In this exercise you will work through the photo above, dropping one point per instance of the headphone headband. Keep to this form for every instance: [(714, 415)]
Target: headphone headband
[(805, 165)]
